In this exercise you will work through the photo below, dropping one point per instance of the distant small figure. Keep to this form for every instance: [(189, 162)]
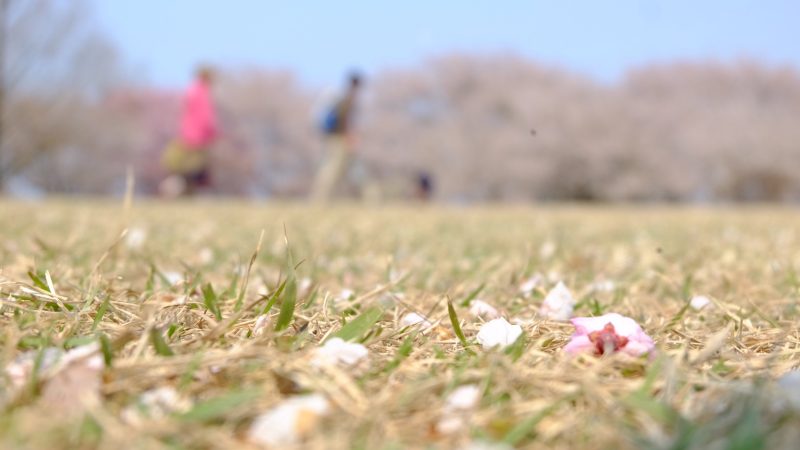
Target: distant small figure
[(340, 141), (186, 157), (424, 186)]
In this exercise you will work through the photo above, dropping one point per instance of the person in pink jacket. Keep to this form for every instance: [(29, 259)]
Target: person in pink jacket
[(199, 122), (186, 158)]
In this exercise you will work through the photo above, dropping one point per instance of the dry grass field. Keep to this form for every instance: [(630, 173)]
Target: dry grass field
[(200, 324)]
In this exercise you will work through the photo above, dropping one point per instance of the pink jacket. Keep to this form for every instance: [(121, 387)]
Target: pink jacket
[(198, 121)]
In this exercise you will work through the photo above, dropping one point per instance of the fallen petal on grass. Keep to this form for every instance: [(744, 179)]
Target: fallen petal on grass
[(603, 286), (156, 404), (789, 385), (558, 303), (498, 333), (20, 370), (699, 302), (261, 324), (135, 238), (463, 397), (412, 319), (288, 422), (609, 333), (457, 408), (173, 278), (479, 308), (529, 285), (73, 383), (337, 352)]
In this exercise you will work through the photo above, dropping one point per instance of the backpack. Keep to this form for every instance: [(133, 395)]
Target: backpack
[(330, 122)]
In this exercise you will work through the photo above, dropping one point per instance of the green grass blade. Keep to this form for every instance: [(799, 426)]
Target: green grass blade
[(273, 298), (107, 349), (403, 352), (217, 407), (456, 325), (159, 344), (211, 301), (287, 305), (37, 281), (243, 288), (101, 312), (359, 326), (473, 295)]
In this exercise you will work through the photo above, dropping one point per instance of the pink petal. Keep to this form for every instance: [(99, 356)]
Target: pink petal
[(624, 326), (638, 344), (579, 344)]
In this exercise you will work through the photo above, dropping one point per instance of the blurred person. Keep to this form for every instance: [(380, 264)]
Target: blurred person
[(186, 157), (424, 186), (340, 142)]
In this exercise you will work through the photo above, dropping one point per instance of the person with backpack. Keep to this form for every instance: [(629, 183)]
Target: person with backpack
[(340, 141)]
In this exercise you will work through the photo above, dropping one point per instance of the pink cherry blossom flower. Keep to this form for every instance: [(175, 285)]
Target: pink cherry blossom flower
[(607, 334)]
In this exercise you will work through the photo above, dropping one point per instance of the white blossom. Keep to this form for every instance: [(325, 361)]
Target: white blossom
[(558, 303), (463, 397), (699, 302), (458, 406), (19, 371), (789, 385), (303, 286), (262, 322), (480, 308), (603, 286), (288, 422), (206, 256), (173, 278), (529, 285), (547, 250), (135, 238), (498, 333), (484, 445), (411, 319), (337, 352), (156, 404)]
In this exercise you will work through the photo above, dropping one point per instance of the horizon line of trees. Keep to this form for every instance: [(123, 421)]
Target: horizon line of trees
[(696, 131)]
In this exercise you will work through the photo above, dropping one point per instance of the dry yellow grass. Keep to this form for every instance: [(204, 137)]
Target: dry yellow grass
[(711, 383)]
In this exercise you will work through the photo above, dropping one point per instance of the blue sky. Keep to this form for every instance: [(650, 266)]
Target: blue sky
[(319, 40)]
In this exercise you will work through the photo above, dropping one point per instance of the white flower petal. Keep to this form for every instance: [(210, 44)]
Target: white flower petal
[(411, 319), (484, 445), (262, 322), (173, 278), (135, 238), (287, 423), (558, 303), (527, 287), (547, 250), (789, 385), (498, 333), (463, 397), (699, 302), (206, 256), (336, 351), (479, 308), (603, 286)]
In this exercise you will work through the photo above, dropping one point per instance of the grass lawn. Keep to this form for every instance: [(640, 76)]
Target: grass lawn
[(196, 321)]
